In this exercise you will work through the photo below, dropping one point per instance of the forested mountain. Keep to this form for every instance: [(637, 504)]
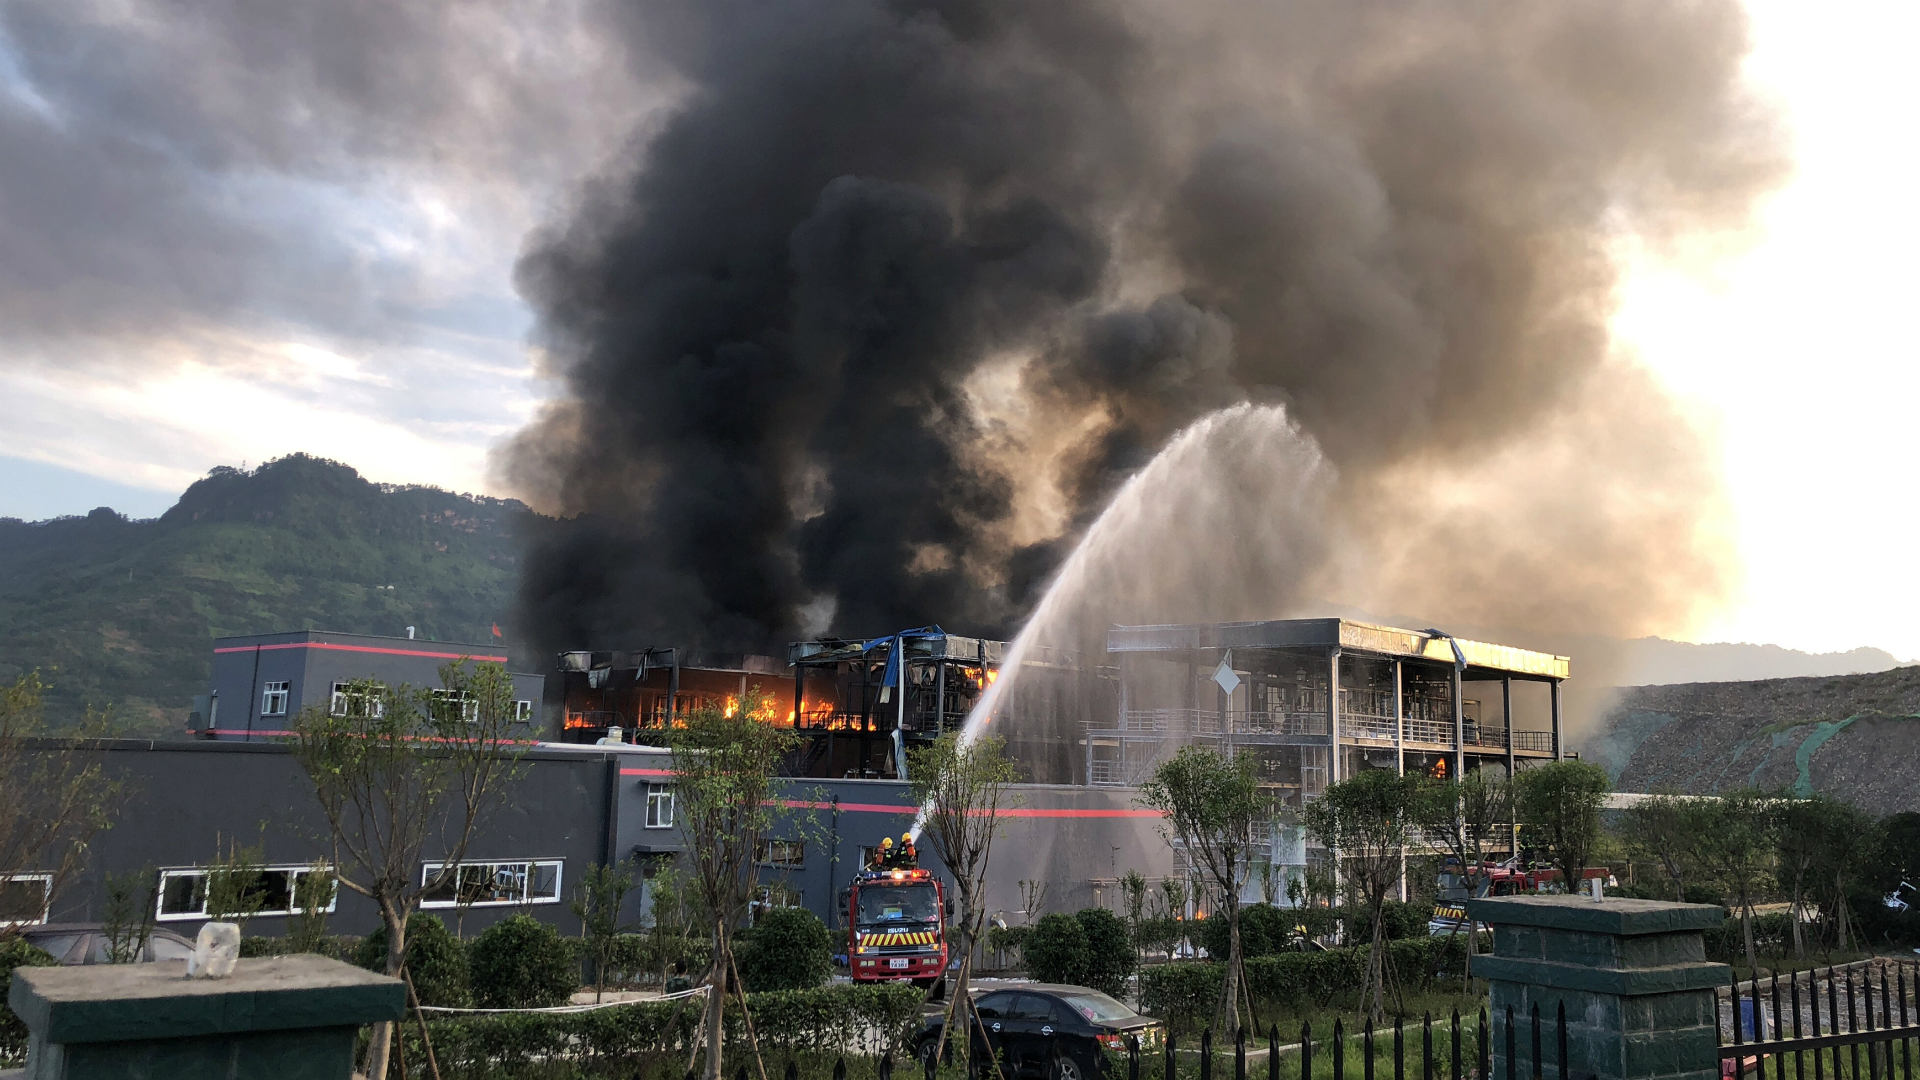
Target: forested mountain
[(124, 613)]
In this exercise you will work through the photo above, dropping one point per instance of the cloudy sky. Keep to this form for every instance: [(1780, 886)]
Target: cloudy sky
[(227, 235)]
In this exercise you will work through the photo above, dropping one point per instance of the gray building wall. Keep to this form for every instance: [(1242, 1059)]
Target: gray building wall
[(311, 661)]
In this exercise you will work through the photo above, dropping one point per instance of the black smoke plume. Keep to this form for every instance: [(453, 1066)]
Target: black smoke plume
[(901, 291)]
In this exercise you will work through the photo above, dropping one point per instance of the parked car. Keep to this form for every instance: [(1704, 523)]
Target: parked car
[(74, 944), (1047, 1030)]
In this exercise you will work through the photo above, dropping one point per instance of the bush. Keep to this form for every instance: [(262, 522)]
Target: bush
[(1056, 949), (1184, 993), (522, 963), (436, 961), (1109, 957), (15, 953), (631, 1038), (1266, 930), (787, 949), (337, 948)]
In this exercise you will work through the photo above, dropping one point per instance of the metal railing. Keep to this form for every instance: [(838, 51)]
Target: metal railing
[(1838, 1037), (1206, 723)]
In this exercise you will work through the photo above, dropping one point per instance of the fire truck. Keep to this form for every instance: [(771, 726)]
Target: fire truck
[(1495, 879), (897, 925)]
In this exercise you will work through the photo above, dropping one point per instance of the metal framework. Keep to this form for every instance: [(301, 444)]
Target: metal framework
[(1317, 700)]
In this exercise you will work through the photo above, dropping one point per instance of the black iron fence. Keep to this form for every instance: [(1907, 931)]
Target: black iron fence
[(1860, 1021)]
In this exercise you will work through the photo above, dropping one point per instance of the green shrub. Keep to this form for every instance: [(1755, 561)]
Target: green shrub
[(337, 948), (436, 961), (15, 953), (632, 1039), (1110, 957), (788, 949), (1266, 929), (522, 963), (1184, 993), (1056, 949)]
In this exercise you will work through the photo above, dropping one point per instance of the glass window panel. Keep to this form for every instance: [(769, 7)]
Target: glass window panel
[(546, 882), (183, 893)]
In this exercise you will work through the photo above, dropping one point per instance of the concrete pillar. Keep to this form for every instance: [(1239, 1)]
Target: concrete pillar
[(1559, 749), (283, 1016), (1459, 724), (1400, 747), (1632, 974), (1333, 717), (1506, 712)]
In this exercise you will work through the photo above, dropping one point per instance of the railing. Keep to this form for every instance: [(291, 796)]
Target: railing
[(1206, 723), (1455, 1050), (1757, 1021)]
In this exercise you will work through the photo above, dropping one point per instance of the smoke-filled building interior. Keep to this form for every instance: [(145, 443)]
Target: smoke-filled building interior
[(1408, 700)]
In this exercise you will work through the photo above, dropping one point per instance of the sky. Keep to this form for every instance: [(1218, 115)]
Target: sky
[(224, 241)]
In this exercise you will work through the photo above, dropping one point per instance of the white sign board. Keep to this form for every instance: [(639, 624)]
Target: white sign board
[(1228, 679)]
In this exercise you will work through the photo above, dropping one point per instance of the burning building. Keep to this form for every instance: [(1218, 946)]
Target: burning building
[(1318, 700), (632, 696)]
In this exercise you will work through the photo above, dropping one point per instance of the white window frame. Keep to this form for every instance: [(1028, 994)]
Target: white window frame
[(274, 696), (429, 870), (523, 711), (46, 897), (337, 704), (797, 848), (658, 796), (292, 870), (468, 704)]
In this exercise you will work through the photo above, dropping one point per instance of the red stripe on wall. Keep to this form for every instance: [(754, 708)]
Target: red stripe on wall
[(646, 772), (364, 649)]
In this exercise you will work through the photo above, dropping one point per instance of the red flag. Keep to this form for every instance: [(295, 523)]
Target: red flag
[(496, 630)]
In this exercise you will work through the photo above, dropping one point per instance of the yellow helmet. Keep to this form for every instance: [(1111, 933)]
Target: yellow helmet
[(887, 843), (906, 838)]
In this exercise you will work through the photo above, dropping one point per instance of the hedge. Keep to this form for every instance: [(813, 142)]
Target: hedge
[(1266, 930), (1184, 993), (829, 1020)]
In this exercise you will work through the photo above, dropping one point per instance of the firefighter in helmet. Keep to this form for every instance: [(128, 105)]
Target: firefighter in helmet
[(883, 855), (909, 858)]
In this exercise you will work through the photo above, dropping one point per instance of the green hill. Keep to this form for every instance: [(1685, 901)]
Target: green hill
[(124, 613)]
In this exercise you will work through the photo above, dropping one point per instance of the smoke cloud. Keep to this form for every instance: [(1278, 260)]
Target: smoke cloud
[(901, 293)]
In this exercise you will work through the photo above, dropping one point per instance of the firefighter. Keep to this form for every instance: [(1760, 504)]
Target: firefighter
[(909, 858), (883, 855)]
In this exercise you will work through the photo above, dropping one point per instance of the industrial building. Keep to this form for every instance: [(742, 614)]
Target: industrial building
[(1318, 700)]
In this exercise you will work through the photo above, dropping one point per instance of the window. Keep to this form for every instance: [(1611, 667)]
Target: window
[(775, 895), (273, 699), (659, 807), (522, 711), (482, 884), (791, 854), (24, 898), (446, 701), (183, 892), (357, 700)]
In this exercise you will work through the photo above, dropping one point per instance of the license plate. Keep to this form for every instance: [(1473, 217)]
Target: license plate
[(897, 962)]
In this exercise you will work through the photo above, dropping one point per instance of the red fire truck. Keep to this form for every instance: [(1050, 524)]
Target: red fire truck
[(1495, 879), (897, 926)]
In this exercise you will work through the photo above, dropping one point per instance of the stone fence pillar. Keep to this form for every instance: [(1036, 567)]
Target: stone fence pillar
[(1633, 975), (284, 1018)]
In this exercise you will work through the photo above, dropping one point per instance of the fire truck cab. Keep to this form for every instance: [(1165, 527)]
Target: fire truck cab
[(897, 926), (1494, 879)]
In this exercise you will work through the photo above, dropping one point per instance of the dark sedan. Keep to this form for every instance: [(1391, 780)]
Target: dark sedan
[(86, 943), (1048, 1030)]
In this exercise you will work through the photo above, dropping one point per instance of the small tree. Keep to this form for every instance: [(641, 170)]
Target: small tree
[(1133, 887), (789, 948), (397, 768), (127, 922), (1209, 805), (1056, 949), (724, 767), (521, 963), (1734, 840), (313, 895), (1364, 822), (1110, 956), (56, 799), (1463, 816), (1660, 828), (597, 901), (236, 882), (1560, 803), (1808, 833), (960, 787)]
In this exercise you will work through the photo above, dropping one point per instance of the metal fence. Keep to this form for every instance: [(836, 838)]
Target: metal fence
[(1838, 1038), (1379, 1053)]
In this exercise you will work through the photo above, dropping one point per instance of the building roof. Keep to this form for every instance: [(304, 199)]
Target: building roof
[(362, 643), (1344, 634)]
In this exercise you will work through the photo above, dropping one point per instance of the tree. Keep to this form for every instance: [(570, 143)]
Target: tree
[(1056, 949), (58, 798), (1463, 815), (960, 787), (724, 762), (1661, 828), (1815, 839), (400, 767), (1734, 840), (1209, 805), (1133, 886), (127, 920), (597, 901), (1364, 822), (1110, 957), (236, 881), (313, 893), (1559, 803)]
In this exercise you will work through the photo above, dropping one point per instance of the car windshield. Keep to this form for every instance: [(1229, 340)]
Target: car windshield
[(1098, 1007), (897, 903)]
